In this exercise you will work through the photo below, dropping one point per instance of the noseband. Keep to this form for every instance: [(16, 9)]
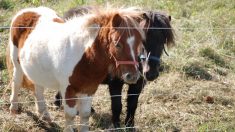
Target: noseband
[(154, 58), (136, 63)]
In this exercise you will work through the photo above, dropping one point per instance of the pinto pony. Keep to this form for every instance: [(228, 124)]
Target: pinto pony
[(73, 56), (159, 33)]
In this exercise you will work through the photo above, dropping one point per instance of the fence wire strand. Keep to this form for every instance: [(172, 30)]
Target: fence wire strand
[(154, 28), (52, 100)]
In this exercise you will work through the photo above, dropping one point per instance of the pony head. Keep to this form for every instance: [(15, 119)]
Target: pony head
[(126, 40), (158, 34)]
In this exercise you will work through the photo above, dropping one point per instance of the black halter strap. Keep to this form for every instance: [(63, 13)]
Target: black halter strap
[(151, 57)]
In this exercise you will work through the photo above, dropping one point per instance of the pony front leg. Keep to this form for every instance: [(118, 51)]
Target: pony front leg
[(84, 108), (41, 107), (70, 114), (70, 107), (16, 84)]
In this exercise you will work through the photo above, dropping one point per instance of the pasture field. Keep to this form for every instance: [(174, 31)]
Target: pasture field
[(195, 91)]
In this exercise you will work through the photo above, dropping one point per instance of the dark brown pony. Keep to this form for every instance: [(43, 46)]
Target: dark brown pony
[(159, 34), (73, 56)]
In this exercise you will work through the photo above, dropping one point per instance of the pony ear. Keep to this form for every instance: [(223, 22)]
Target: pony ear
[(145, 16), (145, 21), (116, 20), (169, 17)]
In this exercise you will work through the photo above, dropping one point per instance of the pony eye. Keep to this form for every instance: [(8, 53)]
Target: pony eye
[(118, 45)]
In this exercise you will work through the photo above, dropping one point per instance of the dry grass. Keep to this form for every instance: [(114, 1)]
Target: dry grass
[(195, 92)]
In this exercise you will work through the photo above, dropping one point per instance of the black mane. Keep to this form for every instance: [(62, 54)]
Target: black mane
[(78, 11), (161, 21)]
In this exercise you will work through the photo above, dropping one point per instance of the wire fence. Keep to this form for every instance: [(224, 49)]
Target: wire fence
[(153, 28), (4, 102)]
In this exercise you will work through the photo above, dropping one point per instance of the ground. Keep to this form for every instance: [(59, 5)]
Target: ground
[(195, 91)]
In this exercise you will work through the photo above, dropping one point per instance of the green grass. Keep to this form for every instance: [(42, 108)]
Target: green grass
[(211, 54), (6, 4), (197, 71)]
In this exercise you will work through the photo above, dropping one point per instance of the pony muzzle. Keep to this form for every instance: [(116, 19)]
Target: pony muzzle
[(129, 77)]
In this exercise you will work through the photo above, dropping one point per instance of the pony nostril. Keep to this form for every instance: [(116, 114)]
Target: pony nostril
[(128, 76)]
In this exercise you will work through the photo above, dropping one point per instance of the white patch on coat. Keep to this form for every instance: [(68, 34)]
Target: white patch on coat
[(84, 108), (51, 58), (131, 42), (71, 111)]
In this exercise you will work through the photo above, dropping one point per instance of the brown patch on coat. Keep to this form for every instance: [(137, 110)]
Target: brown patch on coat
[(86, 81), (22, 27), (26, 83), (92, 69), (58, 20), (70, 96)]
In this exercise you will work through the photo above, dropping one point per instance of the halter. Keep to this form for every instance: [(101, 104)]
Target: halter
[(150, 57), (117, 63)]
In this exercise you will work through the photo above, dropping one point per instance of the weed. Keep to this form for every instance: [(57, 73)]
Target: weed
[(197, 71), (214, 56)]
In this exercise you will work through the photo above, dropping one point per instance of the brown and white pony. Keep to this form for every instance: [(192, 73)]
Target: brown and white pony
[(73, 56)]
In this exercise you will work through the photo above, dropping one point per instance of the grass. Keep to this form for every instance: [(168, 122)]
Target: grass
[(199, 67), (215, 57), (6, 4), (196, 71)]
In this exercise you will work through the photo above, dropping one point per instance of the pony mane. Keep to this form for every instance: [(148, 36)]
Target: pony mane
[(163, 22), (129, 15), (89, 16)]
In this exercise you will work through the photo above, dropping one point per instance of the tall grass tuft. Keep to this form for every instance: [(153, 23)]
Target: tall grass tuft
[(6, 4), (197, 71), (211, 54)]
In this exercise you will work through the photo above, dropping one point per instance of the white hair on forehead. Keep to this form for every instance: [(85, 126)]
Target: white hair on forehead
[(133, 14)]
